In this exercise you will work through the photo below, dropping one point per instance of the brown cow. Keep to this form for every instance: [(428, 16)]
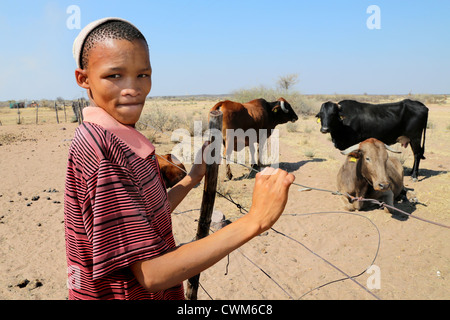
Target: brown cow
[(253, 116), (369, 172), (170, 173)]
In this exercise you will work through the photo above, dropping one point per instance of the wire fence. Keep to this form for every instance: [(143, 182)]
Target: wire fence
[(296, 241), (346, 276)]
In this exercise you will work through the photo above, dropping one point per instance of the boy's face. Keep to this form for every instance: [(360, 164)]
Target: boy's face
[(119, 77)]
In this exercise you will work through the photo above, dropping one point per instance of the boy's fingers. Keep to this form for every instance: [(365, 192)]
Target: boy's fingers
[(277, 175), (267, 172)]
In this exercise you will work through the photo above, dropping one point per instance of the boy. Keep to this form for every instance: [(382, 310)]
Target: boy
[(119, 237)]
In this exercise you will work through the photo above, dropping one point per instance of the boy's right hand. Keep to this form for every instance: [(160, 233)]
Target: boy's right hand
[(270, 196)]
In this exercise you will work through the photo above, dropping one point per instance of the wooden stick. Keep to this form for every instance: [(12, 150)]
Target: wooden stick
[(65, 115), (209, 196), (56, 110), (18, 114)]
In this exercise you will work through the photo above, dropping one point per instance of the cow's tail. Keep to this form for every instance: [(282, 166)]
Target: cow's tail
[(424, 134)]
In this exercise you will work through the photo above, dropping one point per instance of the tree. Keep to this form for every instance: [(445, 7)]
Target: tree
[(60, 100), (287, 81)]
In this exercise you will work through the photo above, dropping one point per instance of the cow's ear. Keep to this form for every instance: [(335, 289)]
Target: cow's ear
[(355, 154), (318, 115)]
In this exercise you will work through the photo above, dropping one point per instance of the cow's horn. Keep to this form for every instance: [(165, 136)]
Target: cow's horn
[(350, 149), (391, 150), (285, 110)]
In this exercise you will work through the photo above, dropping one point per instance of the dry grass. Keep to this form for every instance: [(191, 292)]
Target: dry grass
[(28, 115), (410, 249)]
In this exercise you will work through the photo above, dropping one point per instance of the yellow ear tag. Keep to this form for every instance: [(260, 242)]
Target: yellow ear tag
[(275, 110), (318, 120), (352, 159)]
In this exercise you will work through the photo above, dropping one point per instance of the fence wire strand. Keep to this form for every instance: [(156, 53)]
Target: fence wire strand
[(308, 188)]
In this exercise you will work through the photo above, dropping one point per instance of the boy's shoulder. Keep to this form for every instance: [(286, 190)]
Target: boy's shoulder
[(93, 143), (90, 140), (90, 134), (90, 130)]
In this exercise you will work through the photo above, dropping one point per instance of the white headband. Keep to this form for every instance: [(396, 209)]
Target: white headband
[(79, 40)]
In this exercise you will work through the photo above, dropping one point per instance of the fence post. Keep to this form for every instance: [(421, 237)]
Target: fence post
[(65, 115), (18, 114), (82, 106), (209, 196), (37, 111), (56, 110)]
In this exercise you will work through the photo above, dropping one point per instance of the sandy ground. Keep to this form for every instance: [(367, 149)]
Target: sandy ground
[(412, 257)]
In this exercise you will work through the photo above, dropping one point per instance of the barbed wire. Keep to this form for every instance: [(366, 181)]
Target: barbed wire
[(347, 277), (309, 188), (352, 198)]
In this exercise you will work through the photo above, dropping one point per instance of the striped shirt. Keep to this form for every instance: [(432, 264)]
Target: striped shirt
[(116, 210)]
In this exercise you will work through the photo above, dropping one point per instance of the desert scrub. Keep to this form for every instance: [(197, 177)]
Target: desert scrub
[(300, 103)]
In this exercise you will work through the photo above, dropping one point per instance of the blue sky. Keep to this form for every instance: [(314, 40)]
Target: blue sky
[(217, 46)]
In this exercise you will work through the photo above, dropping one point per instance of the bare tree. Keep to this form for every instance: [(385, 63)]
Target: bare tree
[(287, 81), (60, 100)]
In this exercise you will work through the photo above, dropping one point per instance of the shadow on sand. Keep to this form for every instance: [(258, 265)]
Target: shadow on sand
[(287, 166)]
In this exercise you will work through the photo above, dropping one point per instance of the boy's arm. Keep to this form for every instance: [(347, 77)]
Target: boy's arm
[(269, 199), (182, 188)]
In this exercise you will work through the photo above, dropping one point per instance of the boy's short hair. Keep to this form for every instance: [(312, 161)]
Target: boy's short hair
[(107, 28)]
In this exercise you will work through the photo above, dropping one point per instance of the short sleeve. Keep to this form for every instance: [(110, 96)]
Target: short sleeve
[(122, 228)]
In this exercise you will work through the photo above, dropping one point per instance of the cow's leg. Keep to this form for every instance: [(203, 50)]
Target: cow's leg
[(388, 198), (254, 161), (362, 192), (348, 205), (228, 172), (227, 164), (352, 204), (418, 155)]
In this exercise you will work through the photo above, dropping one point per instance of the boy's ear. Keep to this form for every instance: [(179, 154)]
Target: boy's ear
[(82, 78)]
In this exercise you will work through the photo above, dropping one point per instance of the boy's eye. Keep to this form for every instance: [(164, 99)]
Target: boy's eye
[(114, 76), (144, 76)]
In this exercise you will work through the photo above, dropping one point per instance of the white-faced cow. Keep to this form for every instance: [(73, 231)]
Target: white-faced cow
[(350, 122), (252, 116), (369, 172)]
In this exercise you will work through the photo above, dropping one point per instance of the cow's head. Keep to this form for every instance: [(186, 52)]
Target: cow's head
[(371, 158), (283, 111), (328, 116)]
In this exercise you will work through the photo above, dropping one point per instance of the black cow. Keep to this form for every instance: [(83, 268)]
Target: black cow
[(350, 122)]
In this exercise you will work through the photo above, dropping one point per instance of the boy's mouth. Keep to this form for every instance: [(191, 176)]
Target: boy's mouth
[(133, 104)]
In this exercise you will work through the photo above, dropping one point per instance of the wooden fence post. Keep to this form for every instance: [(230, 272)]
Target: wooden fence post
[(56, 110), (18, 114), (209, 195), (37, 111), (65, 115)]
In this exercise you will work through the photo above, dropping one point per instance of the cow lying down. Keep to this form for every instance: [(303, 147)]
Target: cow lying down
[(369, 172)]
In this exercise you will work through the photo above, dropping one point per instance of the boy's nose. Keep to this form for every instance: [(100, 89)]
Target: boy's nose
[(130, 92)]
